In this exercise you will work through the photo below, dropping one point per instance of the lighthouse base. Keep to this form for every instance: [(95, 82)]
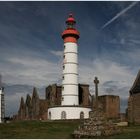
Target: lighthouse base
[(68, 112)]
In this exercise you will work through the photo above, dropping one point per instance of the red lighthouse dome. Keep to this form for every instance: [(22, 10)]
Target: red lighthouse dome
[(70, 34)]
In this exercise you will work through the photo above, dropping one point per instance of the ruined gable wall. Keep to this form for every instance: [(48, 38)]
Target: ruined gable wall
[(53, 95), (136, 101), (113, 106), (130, 109), (110, 105), (84, 95), (134, 108), (58, 95), (43, 109)]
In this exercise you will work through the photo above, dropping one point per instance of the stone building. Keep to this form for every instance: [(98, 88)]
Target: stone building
[(110, 105), (53, 95), (133, 110), (34, 108)]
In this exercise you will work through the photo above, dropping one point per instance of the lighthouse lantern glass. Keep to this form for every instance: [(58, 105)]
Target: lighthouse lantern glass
[(70, 25)]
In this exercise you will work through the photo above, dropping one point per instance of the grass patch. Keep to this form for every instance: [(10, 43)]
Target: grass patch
[(54, 130), (37, 130)]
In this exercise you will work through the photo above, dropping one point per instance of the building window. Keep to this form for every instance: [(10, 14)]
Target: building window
[(63, 67), (63, 115), (62, 98), (64, 56), (82, 115), (50, 115), (64, 46), (62, 87), (63, 77)]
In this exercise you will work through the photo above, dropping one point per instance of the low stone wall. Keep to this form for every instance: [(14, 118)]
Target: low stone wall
[(97, 125)]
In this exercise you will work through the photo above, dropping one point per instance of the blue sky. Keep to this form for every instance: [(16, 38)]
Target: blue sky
[(31, 45)]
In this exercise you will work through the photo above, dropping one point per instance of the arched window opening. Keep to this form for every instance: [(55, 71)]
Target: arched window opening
[(50, 115), (63, 115), (82, 115)]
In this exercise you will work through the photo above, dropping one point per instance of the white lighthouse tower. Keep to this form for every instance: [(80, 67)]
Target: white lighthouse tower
[(1, 102), (70, 64), (69, 108)]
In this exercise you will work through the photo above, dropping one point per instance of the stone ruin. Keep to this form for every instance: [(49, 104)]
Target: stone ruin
[(97, 124)]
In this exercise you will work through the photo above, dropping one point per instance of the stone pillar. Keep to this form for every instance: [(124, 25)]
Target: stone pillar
[(96, 82)]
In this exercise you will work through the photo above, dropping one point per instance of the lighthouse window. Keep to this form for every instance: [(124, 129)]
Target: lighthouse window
[(64, 46), (63, 77), (62, 98), (63, 67), (63, 115), (62, 88), (64, 56)]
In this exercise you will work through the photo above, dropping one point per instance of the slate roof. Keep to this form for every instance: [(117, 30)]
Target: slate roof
[(135, 89)]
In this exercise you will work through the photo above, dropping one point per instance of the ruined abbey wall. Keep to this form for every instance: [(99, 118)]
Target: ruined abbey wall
[(34, 108), (110, 105), (134, 108)]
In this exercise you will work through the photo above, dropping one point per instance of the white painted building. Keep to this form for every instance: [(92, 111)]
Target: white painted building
[(70, 75), (69, 108), (1, 102)]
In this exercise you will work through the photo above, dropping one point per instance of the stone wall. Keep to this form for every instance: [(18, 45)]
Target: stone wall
[(97, 125), (22, 110), (43, 109), (110, 105), (130, 109), (84, 95), (53, 95), (134, 108), (33, 108)]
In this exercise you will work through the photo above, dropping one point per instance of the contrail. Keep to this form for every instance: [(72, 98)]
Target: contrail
[(120, 13)]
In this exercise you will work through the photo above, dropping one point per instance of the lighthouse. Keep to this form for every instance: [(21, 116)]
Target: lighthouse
[(1, 102), (69, 108), (70, 63)]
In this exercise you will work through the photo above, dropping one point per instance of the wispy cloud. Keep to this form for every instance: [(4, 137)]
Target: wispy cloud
[(119, 14), (135, 41), (30, 70), (114, 78), (57, 53)]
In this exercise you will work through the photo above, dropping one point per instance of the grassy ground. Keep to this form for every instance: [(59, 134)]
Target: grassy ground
[(49, 130), (37, 129)]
